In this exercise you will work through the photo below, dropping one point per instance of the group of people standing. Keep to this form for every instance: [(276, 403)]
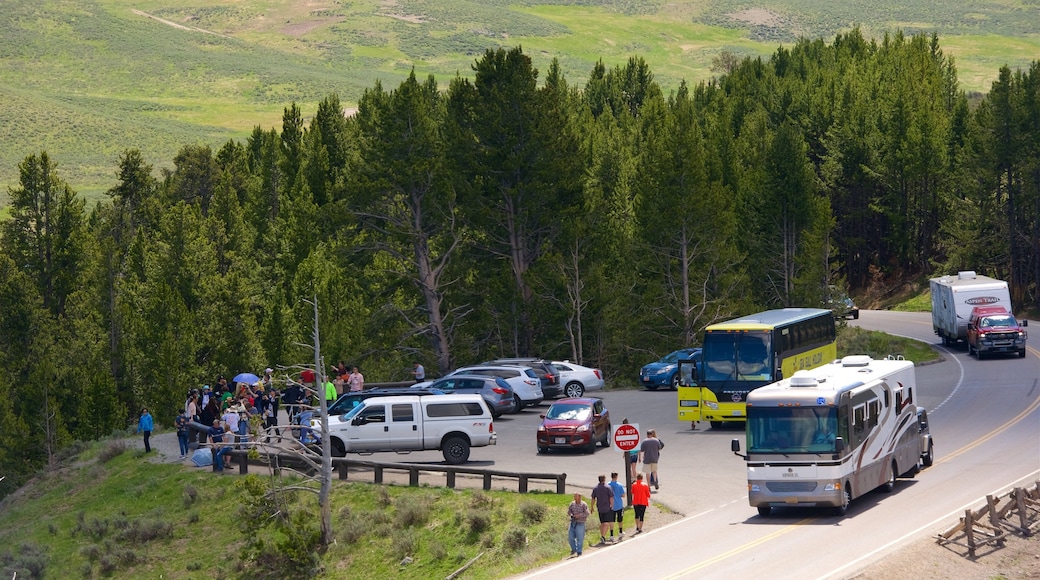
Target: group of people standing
[(209, 415), (608, 498)]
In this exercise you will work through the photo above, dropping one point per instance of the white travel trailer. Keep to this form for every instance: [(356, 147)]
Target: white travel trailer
[(826, 436), (953, 298)]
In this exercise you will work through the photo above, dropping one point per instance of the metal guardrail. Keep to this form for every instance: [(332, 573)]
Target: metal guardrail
[(342, 467)]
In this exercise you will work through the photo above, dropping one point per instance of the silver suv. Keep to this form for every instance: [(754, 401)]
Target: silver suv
[(547, 373), (524, 380)]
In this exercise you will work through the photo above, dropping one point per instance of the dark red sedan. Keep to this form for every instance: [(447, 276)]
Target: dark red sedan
[(574, 423)]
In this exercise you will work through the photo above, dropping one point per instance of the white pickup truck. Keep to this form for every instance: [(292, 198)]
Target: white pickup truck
[(451, 423)]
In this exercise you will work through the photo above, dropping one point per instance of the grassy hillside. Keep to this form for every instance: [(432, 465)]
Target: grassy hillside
[(86, 80), (113, 513)]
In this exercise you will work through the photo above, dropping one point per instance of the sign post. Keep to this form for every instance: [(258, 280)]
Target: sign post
[(626, 438)]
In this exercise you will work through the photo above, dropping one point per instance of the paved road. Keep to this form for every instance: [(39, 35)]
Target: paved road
[(985, 416)]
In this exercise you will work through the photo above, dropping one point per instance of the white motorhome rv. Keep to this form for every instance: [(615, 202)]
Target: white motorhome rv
[(953, 298), (826, 436)]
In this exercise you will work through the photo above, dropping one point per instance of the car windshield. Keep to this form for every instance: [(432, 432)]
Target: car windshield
[(353, 412), (674, 356), (569, 412), (995, 321)]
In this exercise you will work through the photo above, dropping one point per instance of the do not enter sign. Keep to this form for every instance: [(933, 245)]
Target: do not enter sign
[(626, 437)]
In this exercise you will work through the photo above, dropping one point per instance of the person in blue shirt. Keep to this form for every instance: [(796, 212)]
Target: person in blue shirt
[(216, 441), (618, 506), (145, 425)]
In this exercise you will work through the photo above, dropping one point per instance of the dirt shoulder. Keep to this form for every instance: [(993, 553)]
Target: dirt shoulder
[(1019, 558)]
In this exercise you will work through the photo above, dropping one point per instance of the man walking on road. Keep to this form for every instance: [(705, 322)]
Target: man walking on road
[(650, 449), (603, 501), (640, 500), (618, 505), (579, 513)]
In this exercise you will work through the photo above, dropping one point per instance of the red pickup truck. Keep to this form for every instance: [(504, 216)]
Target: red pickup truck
[(993, 329)]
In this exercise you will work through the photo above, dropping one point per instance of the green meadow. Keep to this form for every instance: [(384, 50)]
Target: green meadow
[(87, 80)]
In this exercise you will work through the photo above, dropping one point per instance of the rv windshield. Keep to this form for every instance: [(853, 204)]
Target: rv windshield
[(792, 429)]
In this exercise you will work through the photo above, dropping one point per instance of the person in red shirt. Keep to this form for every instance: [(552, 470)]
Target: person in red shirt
[(640, 500)]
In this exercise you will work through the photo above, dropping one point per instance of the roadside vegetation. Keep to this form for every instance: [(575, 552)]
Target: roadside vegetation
[(880, 345), (110, 512)]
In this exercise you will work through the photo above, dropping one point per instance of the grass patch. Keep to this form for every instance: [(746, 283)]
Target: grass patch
[(879, 345), (919, 303), (128, 517)]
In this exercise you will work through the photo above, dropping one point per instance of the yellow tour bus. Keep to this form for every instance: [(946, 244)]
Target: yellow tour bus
[(745, 353)]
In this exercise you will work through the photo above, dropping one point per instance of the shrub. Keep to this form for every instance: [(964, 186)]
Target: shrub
[(91, 552), (532, 511), (29, 562), (112, 450), (477, 521), (515, 539), (482, 500), (405, 542), (144, 531), (384, 498), (412, 514), (190, 495), (71, 451), (351, 529)]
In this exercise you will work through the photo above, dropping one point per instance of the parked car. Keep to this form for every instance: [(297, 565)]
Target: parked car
[(665, 372), (405, 423), (575, 422), (576, 379), (347, 401), (524, 381), (496, 392), (547, 373)]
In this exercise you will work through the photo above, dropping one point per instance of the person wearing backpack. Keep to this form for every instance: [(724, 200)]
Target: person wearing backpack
[(650, 449)]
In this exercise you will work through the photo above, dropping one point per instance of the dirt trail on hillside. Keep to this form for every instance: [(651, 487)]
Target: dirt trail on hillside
[(179, 26)]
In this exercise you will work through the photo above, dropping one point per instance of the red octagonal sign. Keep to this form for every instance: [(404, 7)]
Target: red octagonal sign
[(626, 437)]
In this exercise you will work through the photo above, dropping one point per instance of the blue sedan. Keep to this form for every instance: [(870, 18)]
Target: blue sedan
[(665, 372)]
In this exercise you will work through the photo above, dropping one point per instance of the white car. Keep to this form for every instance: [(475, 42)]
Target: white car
[(527, 387), (577, 379)]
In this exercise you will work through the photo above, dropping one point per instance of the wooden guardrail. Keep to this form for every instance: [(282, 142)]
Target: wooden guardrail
[(342, 465), (1021, 502)]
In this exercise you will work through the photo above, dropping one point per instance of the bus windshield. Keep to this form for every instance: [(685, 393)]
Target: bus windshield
[(792, 429), (740, 356)]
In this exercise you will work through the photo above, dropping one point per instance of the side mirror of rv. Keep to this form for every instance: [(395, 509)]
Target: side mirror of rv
[(839, 445), (734, 446), (1024, 322)]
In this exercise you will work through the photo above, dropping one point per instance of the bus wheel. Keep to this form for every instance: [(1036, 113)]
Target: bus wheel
[(846, 497), (764, 510), (716, 424), (889, 485)]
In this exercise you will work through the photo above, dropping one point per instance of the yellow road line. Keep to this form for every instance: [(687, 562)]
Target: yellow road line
[(735, 551)]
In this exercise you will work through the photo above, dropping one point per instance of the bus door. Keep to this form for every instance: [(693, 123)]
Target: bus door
[(691, 395)]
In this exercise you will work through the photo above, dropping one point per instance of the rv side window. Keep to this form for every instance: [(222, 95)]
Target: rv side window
[(454, 409)]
